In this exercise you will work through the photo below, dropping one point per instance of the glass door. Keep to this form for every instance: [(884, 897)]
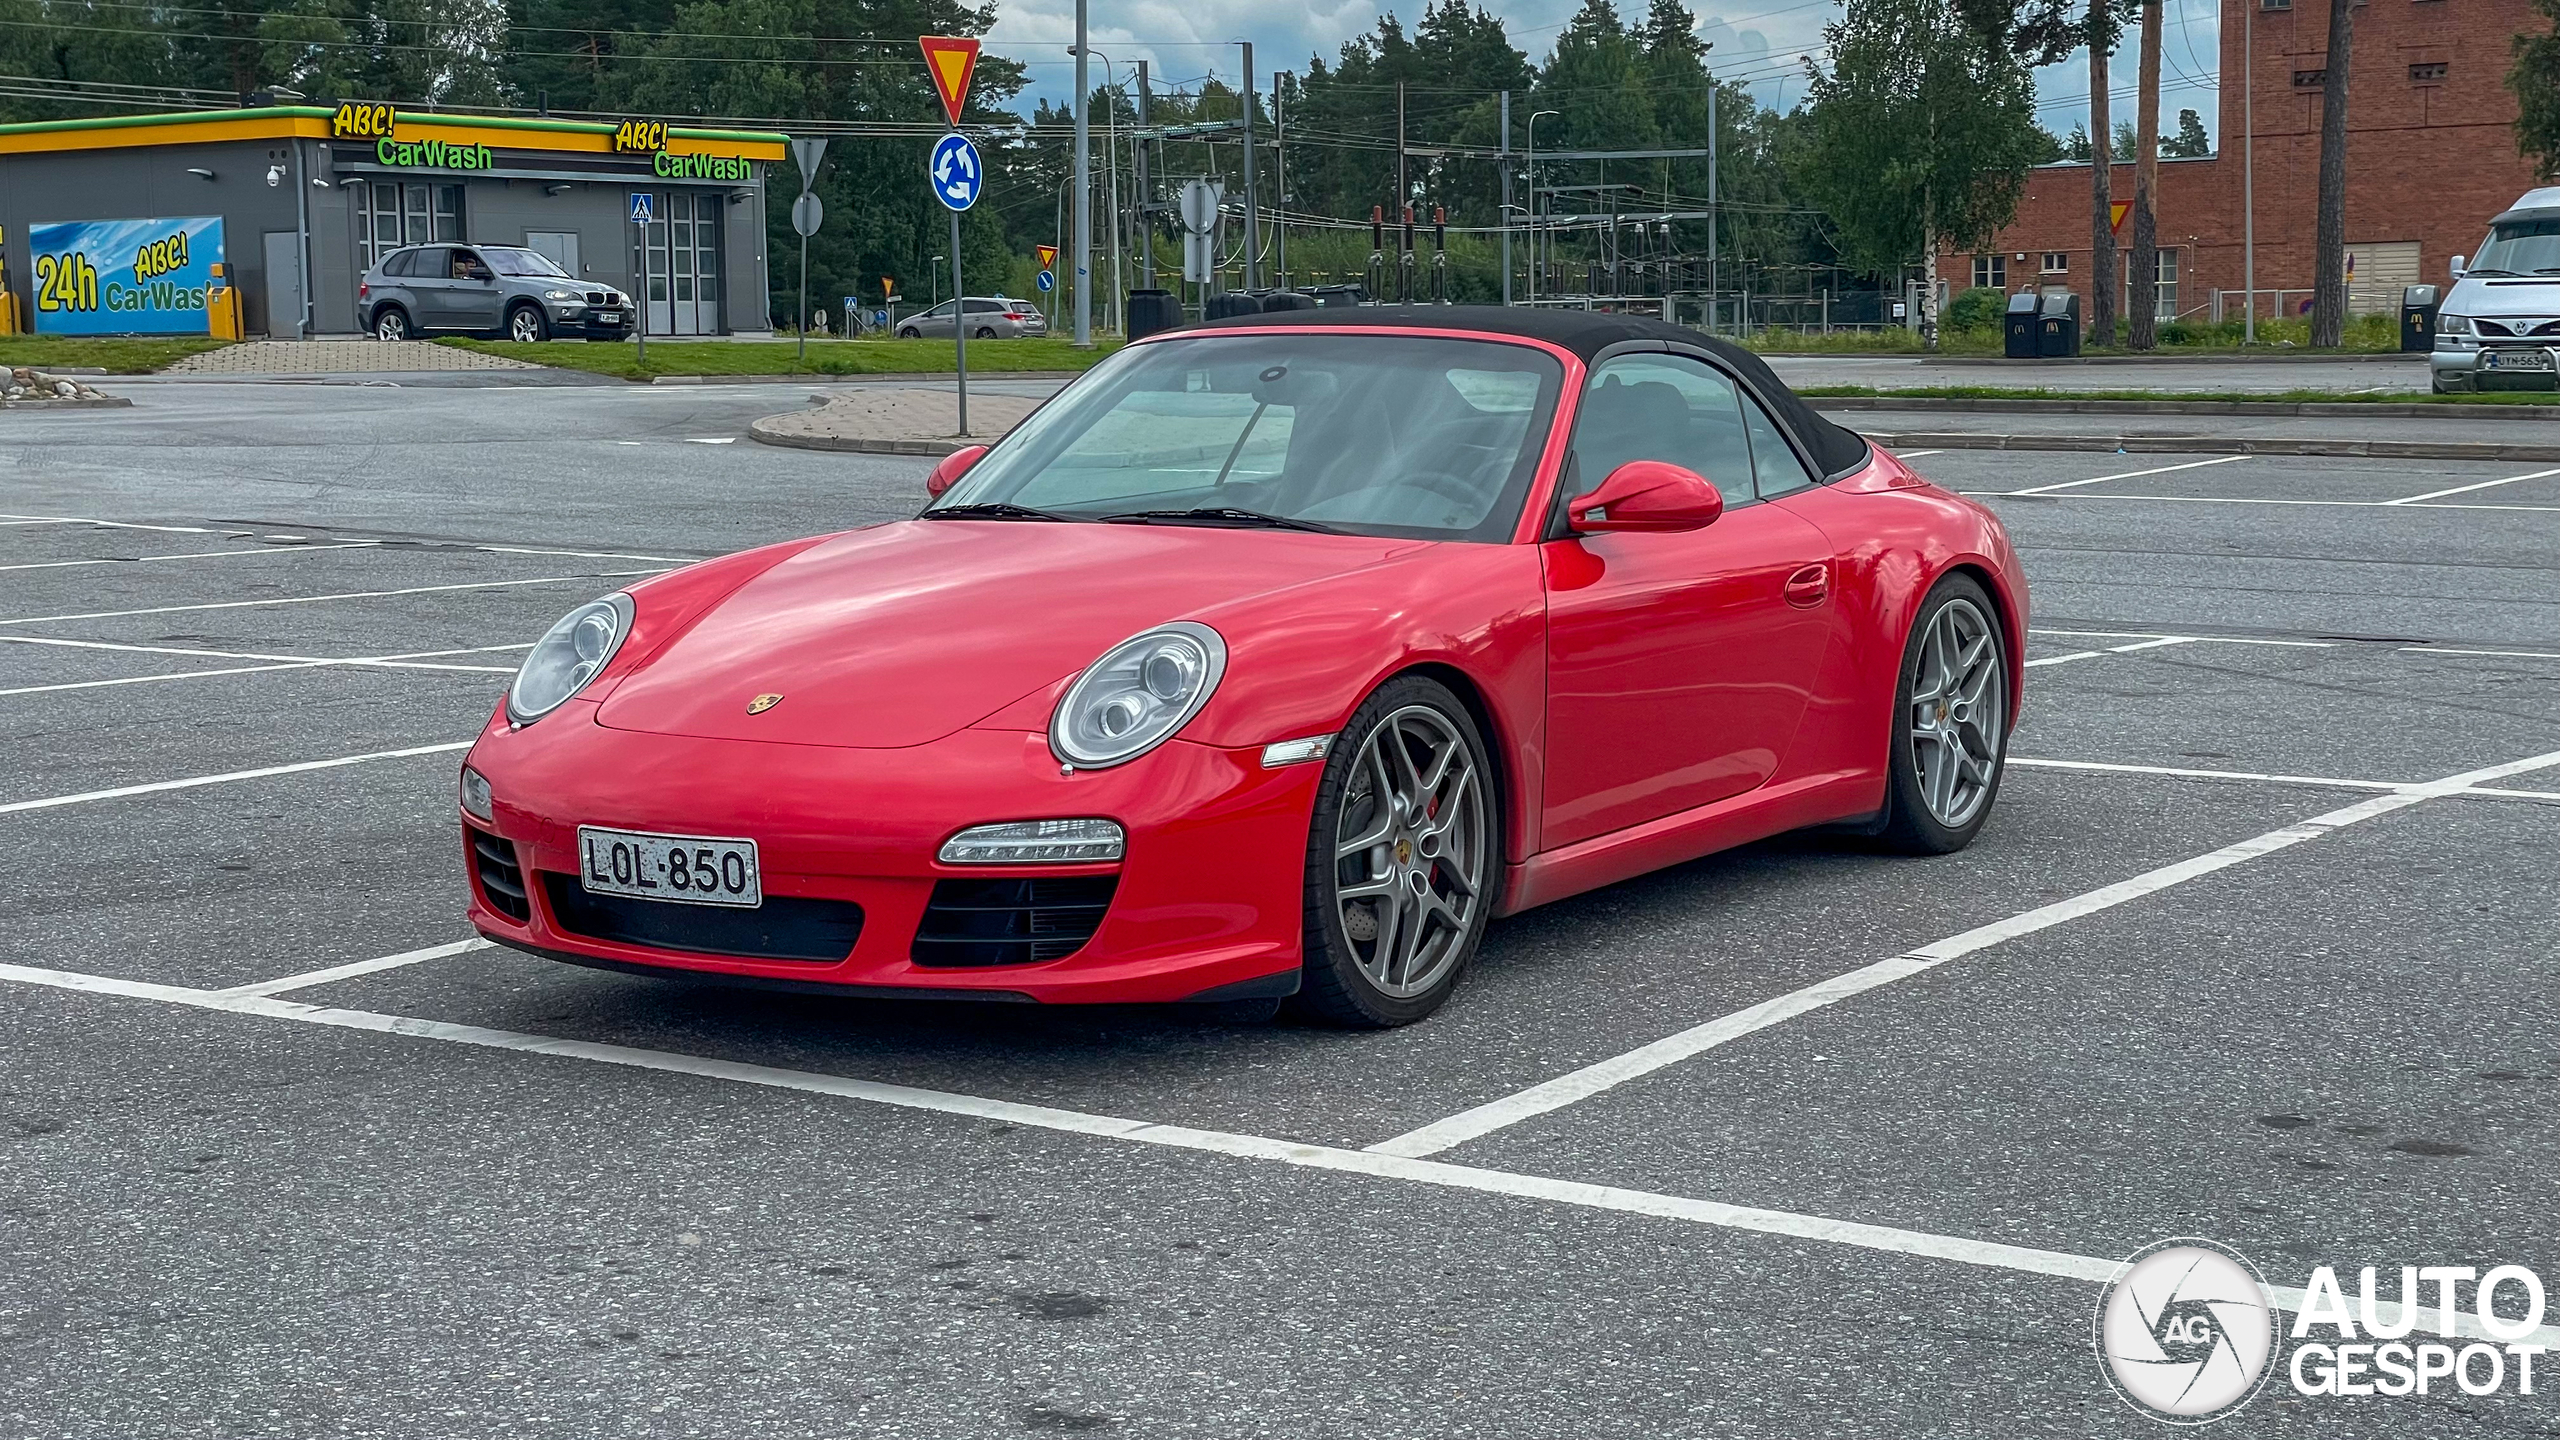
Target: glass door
[(684, 265)]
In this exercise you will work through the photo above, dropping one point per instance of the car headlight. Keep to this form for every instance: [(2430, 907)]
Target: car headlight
[(566, 658), (1140, 692), (2453, 324), (559, 294)]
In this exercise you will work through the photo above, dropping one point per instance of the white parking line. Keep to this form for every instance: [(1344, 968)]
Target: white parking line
[(2127, 475), (2447, 650), (319, 599), (1915, 454), (1605, 1075), (2199, 639), (1885, 1239), (120, 524), (350, 971), (2153, 644), (2331, 781), (196, 555), (2467, 489), (155, 787), (415, 660), (2262, 500)]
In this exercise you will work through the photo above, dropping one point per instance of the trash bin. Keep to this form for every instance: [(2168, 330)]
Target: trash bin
[(2018, 327), (1233, 302), (2418, 317), (2058, 326), (1151, 311)]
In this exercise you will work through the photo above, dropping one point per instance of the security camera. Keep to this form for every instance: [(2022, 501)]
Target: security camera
[(275, 175)]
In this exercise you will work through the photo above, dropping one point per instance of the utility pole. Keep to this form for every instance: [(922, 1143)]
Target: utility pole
[(1084, 193), (2249, 172), (1252, 263), (1280, 180), (1404, 195), (1146, 206), (1715, 281), (1505, 163)]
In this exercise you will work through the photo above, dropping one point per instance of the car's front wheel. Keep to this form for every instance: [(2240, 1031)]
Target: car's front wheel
[(1402, 860), (911, 333), (525, 323), (391, 323), (1950, 722)]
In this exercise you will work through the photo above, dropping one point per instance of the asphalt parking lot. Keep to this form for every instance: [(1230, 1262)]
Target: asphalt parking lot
[(1801, 1140)]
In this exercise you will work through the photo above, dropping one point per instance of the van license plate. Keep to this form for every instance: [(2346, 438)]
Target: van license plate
[(685, 869), (2515, 359)]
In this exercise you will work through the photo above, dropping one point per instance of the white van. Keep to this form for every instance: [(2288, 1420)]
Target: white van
[(2499, 327)]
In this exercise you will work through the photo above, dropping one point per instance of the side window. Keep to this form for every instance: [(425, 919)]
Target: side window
[(992, 306), (1780, 471), (418, 263), (941, 310), (467, 266), (1662, 407)]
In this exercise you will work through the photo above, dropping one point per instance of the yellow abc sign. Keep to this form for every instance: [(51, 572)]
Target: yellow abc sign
[(361, 120), (640, 136)]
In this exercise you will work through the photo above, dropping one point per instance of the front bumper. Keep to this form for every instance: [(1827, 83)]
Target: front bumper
[(1208, 901), (581, 321), (2456, 365)]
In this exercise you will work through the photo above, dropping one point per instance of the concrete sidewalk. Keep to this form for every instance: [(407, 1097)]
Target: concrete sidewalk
[(887, 420)]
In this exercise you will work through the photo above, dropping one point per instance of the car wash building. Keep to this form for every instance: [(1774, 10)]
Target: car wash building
[(125, 225)]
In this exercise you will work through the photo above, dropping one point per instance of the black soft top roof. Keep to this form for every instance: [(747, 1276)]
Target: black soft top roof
[(1586, 333)]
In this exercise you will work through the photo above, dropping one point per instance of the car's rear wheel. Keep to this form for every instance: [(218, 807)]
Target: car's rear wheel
[(525, 323), (983, 332), (391, 323), (1950, 721), (1402, 859)]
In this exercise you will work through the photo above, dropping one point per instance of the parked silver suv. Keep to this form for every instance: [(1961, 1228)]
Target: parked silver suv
[(991, 317), (498, 290)]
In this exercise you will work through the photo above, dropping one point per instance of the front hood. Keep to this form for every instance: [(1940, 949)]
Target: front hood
[(900, 634), (2535, 296)]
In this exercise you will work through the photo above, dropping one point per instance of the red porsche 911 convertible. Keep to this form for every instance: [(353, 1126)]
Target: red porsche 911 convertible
[(1274, 657)]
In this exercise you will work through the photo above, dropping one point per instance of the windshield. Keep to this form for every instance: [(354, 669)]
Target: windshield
[(2520, 247), (519, 262), (1370, 433)]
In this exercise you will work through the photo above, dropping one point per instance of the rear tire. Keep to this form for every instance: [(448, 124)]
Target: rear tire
[(1950, 722), (1403, 859), (391, 323), (983, 333)]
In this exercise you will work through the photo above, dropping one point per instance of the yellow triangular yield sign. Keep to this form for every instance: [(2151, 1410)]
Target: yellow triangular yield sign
[(1048, 255), (950, 59), (2116, 211)]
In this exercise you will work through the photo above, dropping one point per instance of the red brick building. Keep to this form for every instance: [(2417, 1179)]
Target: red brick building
[(2431, 155)]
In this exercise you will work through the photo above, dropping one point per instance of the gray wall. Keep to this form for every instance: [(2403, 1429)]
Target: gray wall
[(152, 180)]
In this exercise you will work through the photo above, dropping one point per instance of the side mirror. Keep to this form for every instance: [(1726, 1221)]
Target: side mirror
[(951, 468), (2460, 264), (1647, 495)]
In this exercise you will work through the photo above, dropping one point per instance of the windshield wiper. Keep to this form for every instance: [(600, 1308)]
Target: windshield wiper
[(2480, 270), (1219, 515), (995, 510)]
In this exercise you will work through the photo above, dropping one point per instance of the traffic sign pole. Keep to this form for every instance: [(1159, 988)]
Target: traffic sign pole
[(957, 173), (960, 324), (642, 208)]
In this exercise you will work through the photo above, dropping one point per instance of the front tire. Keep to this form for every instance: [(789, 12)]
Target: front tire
[(911, 333), (526, 325), (1402, 859), (1950, 722)]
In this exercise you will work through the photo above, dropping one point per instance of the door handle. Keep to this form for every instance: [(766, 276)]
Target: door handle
[(1809, 586)]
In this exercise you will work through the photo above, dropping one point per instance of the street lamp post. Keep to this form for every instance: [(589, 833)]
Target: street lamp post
[(1111, 176), (938, 262), (1534, 118)]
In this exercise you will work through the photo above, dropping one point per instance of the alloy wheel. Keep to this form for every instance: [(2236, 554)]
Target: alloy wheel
[(1411, 852), (526, 325), (391, 325), (1957, 700)]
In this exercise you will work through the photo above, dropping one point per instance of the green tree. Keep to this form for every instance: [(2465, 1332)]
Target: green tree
[(2535, 81), (1920, 135), (2190, 143)]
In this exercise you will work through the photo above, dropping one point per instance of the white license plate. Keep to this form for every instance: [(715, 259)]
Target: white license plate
[(686, 869), (2515, 360), (608, 317)]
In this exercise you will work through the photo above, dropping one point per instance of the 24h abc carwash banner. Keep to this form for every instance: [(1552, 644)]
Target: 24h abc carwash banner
[(125, 277)]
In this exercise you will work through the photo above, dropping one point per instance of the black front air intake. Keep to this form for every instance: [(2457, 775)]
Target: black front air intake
[(493, 864), (784, 927), (1020, 921)]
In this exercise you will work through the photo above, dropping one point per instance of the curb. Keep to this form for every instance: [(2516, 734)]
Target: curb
[(2384, 410), (102, 402), (2214, 445), (819, 377), (849, 444), (2210, 357)]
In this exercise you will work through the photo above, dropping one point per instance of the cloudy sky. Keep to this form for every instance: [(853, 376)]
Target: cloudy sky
[(1764, 42)]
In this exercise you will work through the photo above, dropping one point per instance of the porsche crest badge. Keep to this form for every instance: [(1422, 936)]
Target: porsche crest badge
[(762, 703)]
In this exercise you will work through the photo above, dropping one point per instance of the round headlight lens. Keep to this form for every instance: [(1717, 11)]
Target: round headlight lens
[(1140, 692), (570, 655)]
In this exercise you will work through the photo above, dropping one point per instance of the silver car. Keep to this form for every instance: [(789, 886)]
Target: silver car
[(991, 317), (502, 290)]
